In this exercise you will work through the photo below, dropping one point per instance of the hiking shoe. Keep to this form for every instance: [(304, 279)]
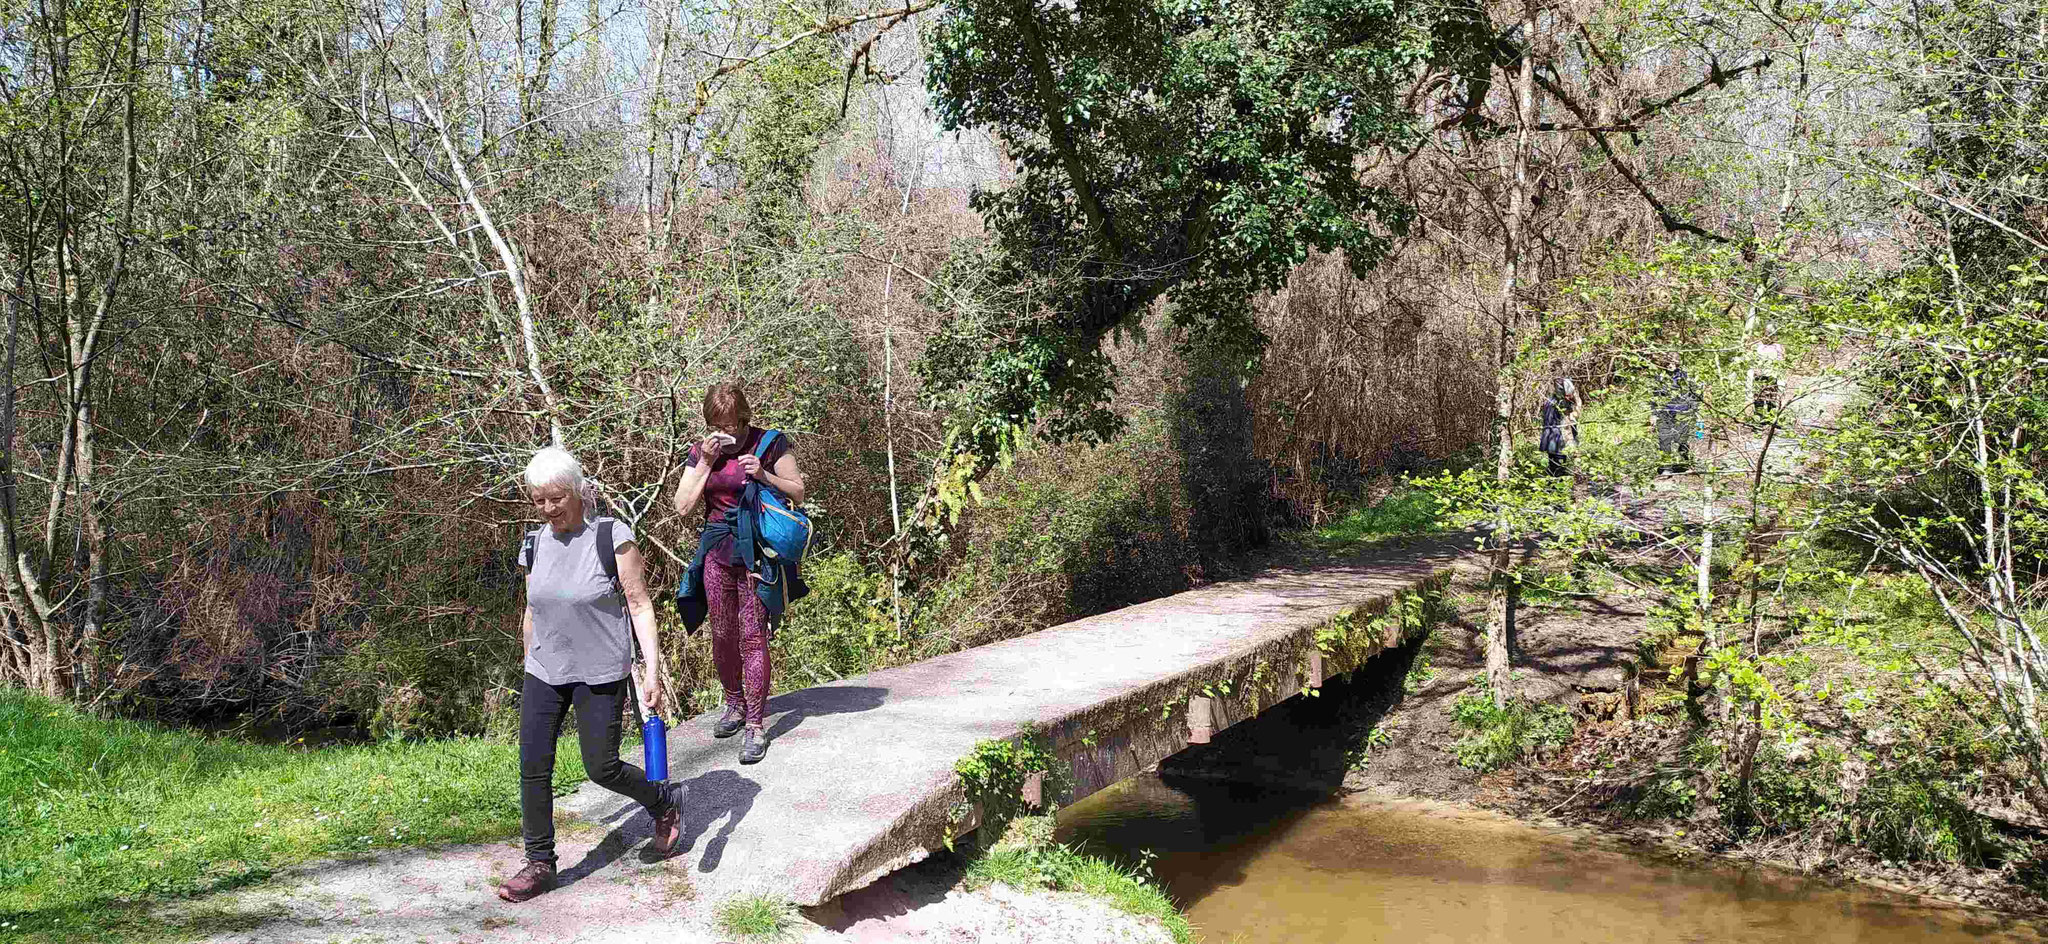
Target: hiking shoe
[(754, 746), (668, 826), (537, 877), (727, 724)]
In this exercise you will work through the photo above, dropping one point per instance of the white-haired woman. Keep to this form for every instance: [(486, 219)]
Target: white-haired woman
[(579, 652)]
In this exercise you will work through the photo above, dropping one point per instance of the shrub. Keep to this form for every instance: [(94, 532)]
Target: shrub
[(1501, 735), (845, 627)]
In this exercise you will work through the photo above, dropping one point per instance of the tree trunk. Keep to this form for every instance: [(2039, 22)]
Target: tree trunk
[(1500, 610), (508, 256), (92, 521), (657, 133), (536, 87), (27, 629)]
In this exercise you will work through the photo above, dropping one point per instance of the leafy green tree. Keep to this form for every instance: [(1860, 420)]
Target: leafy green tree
[(1191, 150), (1941, 469)]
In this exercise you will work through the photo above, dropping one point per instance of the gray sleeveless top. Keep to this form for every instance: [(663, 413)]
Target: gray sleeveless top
[(581, 629)]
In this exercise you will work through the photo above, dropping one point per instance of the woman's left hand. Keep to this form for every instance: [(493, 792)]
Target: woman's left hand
[(751, 464)]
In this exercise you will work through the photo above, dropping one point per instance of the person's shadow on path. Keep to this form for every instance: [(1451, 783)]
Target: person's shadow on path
[(706, 798), (791, 709), (714, 794), (636, 827)]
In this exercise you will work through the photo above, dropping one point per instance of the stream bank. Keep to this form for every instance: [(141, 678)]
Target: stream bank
[(1389, 732)]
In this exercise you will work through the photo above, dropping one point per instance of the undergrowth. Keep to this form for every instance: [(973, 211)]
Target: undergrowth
[(1502, 735), (1405, 511)]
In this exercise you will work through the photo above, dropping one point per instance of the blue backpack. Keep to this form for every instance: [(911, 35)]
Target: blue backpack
[(783, 532)]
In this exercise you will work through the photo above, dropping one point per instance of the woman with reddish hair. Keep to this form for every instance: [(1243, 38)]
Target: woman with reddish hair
[(727, 581)]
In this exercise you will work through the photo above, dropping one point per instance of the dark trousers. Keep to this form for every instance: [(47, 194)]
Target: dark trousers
[(1766, 396), (542, 708)]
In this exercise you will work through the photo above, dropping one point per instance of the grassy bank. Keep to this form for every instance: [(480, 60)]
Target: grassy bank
[(100, 818), (1055, 866), (1404, 512)]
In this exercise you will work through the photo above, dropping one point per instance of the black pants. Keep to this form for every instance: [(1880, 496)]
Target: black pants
[(1766, 396), (1558, 464), (541, 710)]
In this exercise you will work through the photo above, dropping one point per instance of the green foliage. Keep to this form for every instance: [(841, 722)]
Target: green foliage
[(1530, 503), (845, 627), (1356, 634), (1664, 796), (764, 920), (1502, 735), (1420, 672), (1094, 524), (992, 778), (1359, 756), (1406, 511), (96, 814), (790, 113), (1197, 150)]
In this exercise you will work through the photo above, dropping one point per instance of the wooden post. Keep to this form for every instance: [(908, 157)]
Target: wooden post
[(1201, 720), (1316, 674), (1033, 793)]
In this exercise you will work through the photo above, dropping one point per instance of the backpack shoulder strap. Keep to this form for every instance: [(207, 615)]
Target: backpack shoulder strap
[(527, 543), (607, 555), (608, 558), (767, 441)]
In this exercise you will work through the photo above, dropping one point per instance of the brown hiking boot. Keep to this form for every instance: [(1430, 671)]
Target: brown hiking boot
[(537, 877), (668, 827)]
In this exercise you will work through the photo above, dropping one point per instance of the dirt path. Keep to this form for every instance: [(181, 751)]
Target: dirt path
[(447, 896)]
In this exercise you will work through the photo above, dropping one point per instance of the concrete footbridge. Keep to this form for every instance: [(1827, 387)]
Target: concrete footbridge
[(860, 781)]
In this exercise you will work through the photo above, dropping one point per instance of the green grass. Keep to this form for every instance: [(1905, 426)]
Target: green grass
[(1057, 866), (757, 919), (1408, 510), (101, 818), (1500, 736)]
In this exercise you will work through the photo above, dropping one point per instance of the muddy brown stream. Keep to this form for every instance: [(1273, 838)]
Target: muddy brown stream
[(1254, 866)]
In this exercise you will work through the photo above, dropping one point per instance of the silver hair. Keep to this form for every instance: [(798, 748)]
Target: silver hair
[(554, 465)]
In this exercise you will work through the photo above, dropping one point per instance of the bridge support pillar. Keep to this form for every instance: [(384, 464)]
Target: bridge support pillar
[(1201, 719), (1315, 669)]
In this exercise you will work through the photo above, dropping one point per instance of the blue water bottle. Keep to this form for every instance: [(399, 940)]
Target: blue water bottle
[(654, 740)]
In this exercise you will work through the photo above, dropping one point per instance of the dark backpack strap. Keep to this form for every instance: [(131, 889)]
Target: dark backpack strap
[(527, 542), (608, 558), (607, 555)]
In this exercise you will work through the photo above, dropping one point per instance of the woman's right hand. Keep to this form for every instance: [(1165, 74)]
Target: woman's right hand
[(710, 450)]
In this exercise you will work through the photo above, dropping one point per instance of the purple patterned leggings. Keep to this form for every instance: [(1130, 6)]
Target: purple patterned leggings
[(739, 637)]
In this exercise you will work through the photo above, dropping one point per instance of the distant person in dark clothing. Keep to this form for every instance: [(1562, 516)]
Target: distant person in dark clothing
[(1770, 356), (1676, 416), (1560, 425)]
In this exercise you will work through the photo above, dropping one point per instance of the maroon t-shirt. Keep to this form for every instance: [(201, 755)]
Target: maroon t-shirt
[(722, 490)]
